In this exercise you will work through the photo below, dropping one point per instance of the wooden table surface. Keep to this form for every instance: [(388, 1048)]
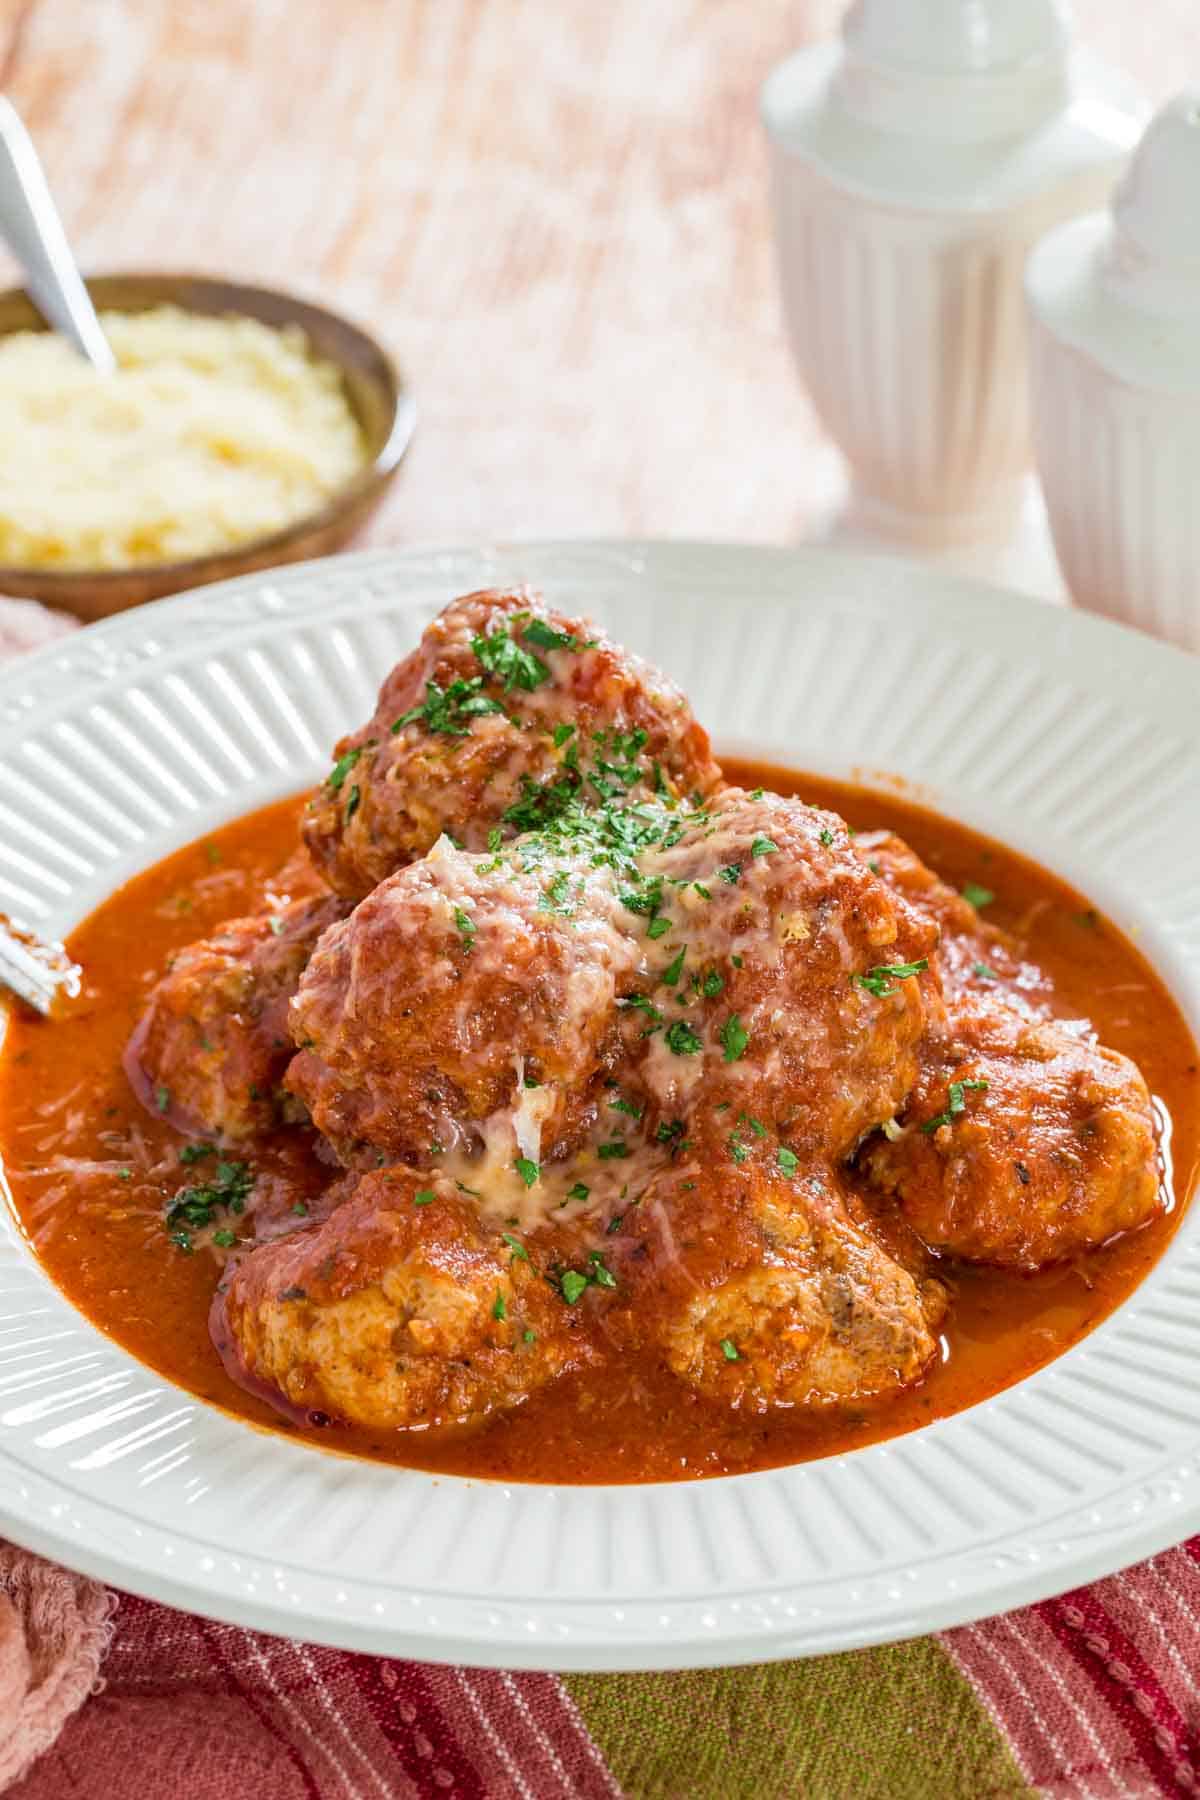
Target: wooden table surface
[(553, 210)]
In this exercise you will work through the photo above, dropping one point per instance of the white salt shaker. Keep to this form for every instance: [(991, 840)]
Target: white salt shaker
[(1114, 301), (913, 165)]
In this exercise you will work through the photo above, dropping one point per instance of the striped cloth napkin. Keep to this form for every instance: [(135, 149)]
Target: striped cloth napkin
[(1094, 1696)]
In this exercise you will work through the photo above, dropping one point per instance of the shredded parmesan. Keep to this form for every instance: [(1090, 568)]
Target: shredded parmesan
[(212, 432)]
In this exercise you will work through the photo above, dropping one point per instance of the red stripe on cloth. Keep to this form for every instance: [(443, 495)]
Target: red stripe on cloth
[(210, 1638), (1051, 1721), (403, 1703), (1157, 1604), (211, 1635), (1124, 1679)]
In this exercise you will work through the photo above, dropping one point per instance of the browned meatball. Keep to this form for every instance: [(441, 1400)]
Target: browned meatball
[(468, 1002), (1023, 1143), (788, 981), (400, 1310), (502, 705), (969, 948), (759, 1287), (213, 1044)]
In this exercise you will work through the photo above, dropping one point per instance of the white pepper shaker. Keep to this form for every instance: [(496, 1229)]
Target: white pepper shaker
[(1114, 304), (913, 165)]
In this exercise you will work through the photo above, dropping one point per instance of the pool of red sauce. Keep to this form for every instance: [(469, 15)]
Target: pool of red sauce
[(100, 1235)]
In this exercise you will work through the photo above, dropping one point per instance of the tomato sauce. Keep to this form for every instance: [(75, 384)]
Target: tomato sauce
[(86, 1168)]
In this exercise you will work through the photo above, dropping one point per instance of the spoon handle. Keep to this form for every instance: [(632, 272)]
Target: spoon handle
[(30, 225)]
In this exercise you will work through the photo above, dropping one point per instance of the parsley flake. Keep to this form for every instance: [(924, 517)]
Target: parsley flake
[(881, 979), (341, 769), (734, 1038), (762, 846), (504, 658), (527, 1170), (787, 1159), (977, 896), (682, 1039), (730, 1351), (958, 1104)]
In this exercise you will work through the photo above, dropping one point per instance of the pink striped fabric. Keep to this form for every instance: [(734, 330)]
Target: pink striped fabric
[(1098, 1692)]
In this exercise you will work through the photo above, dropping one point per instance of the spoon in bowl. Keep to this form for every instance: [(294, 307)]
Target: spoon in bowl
[(37, 972), (30, 225)]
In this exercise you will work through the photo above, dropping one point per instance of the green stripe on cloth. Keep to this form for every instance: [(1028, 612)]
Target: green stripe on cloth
[(899, 1723)]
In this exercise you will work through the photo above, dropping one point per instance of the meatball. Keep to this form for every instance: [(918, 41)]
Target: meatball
[(213, 1044), (1023, 1142), (760, 1288), (401, 1310), (967, 943), (789, 981), (468, 1000), (501, 709)]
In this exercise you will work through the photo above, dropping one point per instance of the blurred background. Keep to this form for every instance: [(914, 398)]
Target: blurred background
[(555, 215)]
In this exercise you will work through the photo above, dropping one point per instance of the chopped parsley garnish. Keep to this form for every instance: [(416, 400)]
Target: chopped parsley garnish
[(729, 1350), (618, 1147), (503, 657), (528, 1171), (223, 1239), (734, 1038), (622, 1105), (542, 805), (599, 1272), (958, 1104), (300, 1208), (162, 1098), (977, 896), (519, 1252), (528, 1336), (572, 1285), (579, 1192), (449, 710), (465, 926), (732, 873), (763, 846), (192, 1153), (983, 972), (341, 769), (667, 1133), (673, 970), (499, 1310), (639, 1003), (658, 927), (881, 979), (352, 803), (546, 638), (825, 836), (713, 984), (424, 1197), (787, 1159), (737, 1149), (682, 1039), (193, 1208), (561, 734)]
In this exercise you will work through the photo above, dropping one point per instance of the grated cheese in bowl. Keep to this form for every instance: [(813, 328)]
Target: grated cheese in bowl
[(213, 432)]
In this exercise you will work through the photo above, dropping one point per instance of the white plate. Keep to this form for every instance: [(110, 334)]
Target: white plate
[(1069, 738)]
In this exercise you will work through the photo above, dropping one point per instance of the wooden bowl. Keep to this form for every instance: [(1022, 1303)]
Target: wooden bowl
[(374, 388)]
